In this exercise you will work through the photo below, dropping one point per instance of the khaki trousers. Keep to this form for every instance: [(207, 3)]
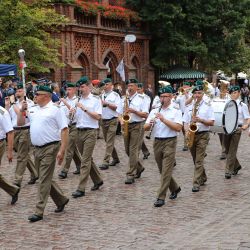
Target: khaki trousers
[(22, 145), (46, 159), (72, 151), (231, 146), (132, 147), (164, 151), (222, 143), (86, 143), (198, 151), (4, 184), (109, 133), (144, 148)]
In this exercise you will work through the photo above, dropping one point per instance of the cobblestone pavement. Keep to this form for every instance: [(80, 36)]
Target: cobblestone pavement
[(120, 216)]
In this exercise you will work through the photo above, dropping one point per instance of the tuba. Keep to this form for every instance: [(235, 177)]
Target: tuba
[(126, 116), (193, 128)]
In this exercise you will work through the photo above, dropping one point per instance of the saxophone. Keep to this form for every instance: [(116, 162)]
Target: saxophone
[(126, 117), (192, 127)]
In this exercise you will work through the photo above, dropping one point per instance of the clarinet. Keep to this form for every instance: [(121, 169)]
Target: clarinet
[(152, 127)]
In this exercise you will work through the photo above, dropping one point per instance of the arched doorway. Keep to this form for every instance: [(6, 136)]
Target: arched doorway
[(136, 64), (110, 61), (84, 62)]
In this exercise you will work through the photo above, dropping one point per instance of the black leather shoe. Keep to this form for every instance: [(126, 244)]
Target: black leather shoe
[(76, 171), (227, 176), (195, 189), (78, 194), (159, 203), (62, 175), (32, 181), (96, 186), (173, 195), (59, 209), (15, 197), (34, 218), (145, 157), (223, 157), (114, 162), (138, 174), (235, 172), (129, 181), (104, 167)]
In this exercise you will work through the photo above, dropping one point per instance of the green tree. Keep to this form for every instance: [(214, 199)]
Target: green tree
[(31, 26), (211, 34)]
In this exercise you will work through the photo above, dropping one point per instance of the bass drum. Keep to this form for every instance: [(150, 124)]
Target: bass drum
[(226, 116)]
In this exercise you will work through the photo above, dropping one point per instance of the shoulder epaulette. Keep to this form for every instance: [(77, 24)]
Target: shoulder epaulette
[(35, 105), (115, 93), (208, 103), (1, 111), (56, 104), (141, 96), (96, 96)]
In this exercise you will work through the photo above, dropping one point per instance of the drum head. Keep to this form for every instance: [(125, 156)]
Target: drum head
[(230, 117)]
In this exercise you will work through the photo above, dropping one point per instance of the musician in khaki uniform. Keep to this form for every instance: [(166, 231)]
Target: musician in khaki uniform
[(22, 141), (88, 113), (199, 113), (133, 105), (165, 122), (68, 105), (231, 141), (144, 148), (111, 103), (6, 128), (49, 134)]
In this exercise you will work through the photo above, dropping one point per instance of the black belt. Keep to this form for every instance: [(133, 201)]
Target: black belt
[(72, 124), (2, 139), (47, 144), (21, 128), (164, 138), (135, 122), (106, 120), (201, 132), (85, 129)]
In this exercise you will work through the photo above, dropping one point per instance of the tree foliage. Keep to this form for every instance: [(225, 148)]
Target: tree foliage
[(29, 26), (211, 34)]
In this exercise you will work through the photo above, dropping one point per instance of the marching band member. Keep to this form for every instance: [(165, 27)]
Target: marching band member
[(135, 107), (22, 143), (68, 105), (166, 122), (7, 129), (48, 127), (111, 109), (232, 141), (201, 114), (88, 113), (144, 148)]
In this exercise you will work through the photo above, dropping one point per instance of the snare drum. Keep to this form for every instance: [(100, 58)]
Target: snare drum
[(226, 116)]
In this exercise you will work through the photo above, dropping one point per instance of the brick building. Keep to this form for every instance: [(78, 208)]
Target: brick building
[(88, 42)]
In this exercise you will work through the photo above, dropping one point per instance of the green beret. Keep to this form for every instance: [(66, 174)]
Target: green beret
[(133, 80), (105, 81), (187, 83), (140, 85), (82, 80), (234, 88), (197, 88), (19, 86), (199, 83), (70, 85), (44, 88), (167, 89)]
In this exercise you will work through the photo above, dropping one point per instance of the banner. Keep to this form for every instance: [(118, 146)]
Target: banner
[(120, 69)]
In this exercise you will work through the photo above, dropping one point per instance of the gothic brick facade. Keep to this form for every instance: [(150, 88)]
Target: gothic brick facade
[(89, 42)]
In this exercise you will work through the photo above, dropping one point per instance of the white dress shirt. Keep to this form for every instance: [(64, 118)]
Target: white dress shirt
[(5, 123)]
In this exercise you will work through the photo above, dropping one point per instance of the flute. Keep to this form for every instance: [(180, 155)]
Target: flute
[(152, 127)]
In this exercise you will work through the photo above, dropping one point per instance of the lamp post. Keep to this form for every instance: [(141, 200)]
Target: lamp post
[(22, 65)]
